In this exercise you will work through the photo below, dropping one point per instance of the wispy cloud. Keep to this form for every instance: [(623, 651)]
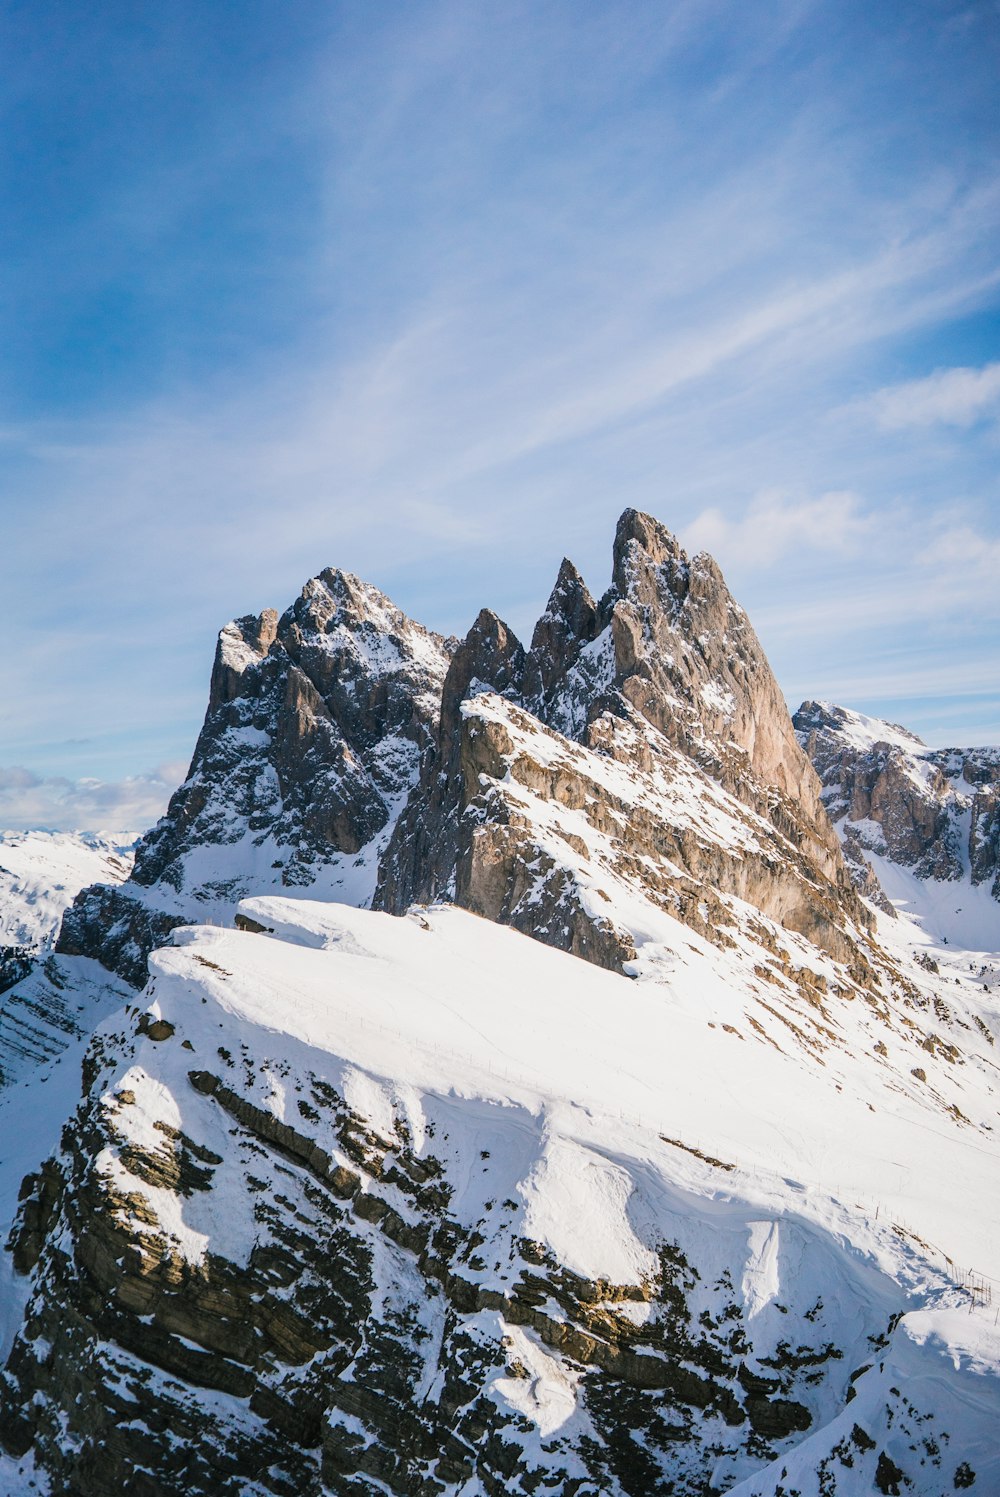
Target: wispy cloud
[(773, 525), (938, 572), (950, 397), (966, 555), (435, 299)]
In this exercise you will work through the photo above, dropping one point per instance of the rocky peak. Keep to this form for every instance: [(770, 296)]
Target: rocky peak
[(316, 726), (678, 629), (648, 564), (338, 752), (670, 657), (490, 657), (352, 618), (570, 621), (679, 650), (421, 856)]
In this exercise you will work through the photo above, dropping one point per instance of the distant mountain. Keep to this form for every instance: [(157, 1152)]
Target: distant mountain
[(41, 874), (902, 807), (683, 1182)]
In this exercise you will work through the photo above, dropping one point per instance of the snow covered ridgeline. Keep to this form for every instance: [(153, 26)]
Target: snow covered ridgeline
[(364, 1205), (557, 1255)]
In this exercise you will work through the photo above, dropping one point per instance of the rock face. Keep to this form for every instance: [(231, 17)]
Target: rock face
[(684, 655), (313, 737), (933, 811), (315, 727), (666, 678), (194, 1377)]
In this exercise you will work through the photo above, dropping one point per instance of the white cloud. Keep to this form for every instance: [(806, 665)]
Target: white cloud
[(966, 553), (950, 397), (28, 800), (775, 524)]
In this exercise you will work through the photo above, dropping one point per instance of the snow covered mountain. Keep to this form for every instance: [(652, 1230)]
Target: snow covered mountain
[(377, 1187), (40, 875), (350, 754), (926, 822)]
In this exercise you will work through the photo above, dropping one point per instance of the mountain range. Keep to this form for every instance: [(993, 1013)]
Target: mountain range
[(513, 1069)]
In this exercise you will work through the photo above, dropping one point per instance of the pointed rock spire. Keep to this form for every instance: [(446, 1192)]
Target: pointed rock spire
[(570, 621), (641, 544), (490, 657)]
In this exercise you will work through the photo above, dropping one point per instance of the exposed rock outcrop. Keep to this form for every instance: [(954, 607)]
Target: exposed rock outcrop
[(933, 811), (666, 677), (419, 864), (315, 729)]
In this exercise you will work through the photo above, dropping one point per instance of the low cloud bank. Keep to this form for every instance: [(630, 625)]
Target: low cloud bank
[(29, 801)]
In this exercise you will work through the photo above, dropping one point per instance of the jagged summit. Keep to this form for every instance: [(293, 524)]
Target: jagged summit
[(342, 753), (570, 621), (490, 657), (665, 677), (313, 738), (314, 731)]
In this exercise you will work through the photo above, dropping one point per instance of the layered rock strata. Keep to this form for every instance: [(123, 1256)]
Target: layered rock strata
[(356, 1325)]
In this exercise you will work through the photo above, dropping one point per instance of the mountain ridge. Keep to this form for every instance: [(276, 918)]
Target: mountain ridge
[(666, 644)]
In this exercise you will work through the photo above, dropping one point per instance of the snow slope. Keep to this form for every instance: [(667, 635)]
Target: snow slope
[(830, 1209), (42, 872), (450, 1002)]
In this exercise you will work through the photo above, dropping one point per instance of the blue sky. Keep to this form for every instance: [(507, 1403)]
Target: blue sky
[(433, 291)]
